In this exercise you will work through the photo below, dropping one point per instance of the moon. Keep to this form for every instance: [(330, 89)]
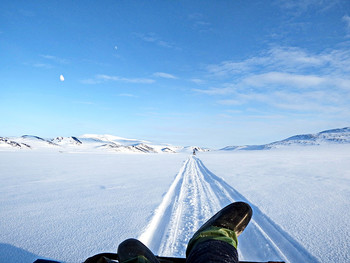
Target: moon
[(116, 47), (61, 78)]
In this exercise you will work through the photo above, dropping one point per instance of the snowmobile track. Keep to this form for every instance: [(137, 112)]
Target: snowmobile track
[(194, 196)]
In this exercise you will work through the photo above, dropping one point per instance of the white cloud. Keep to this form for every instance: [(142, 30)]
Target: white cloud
[(291, 57), (55, 59), (154, 38), (286, 59), (200, 22), (164, 75), (322, 102), (216, 91), (346, 19), (42, 65), (197, 81), (314, 101), (128, 80), (103, 78), (300, 6), (49, 62), (284, 79), (230, 67), (289, 63), (231, 102)]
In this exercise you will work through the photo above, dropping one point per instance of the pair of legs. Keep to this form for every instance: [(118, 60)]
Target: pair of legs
[(215, 242)]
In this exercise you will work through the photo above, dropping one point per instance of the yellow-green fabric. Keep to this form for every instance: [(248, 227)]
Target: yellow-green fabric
[(139, 259), (216, 233)]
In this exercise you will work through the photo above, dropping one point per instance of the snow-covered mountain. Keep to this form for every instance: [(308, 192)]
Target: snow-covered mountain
[(66, 141), (111, 143), (6, 142), (334, 136), (89, 143)]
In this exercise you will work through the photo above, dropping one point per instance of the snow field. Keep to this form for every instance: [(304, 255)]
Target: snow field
[(304, 190), (196, 195), (68, 207)]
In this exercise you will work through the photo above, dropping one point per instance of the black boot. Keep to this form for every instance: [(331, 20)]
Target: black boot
[(235, 217), (132, 249), (216, 240)]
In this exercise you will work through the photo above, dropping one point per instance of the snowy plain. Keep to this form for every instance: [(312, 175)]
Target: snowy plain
[(69, 206)]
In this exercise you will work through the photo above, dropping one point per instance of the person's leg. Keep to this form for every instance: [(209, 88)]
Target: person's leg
[(213, 251), (133, 251), (129, 251), (102, 258), (216, 241)]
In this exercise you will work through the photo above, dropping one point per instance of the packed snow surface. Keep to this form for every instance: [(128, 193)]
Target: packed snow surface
[(67, 207)]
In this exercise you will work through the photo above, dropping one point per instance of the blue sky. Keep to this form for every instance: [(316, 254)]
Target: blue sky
[(208, 73)]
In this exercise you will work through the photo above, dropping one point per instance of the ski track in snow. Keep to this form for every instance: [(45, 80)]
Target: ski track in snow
[(194, 196)]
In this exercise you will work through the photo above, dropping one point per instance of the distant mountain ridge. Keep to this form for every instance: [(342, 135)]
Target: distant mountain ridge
[(90, 143), (111, 143), (334, 136)]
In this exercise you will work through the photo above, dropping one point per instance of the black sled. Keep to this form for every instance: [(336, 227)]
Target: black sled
[(112, 257)]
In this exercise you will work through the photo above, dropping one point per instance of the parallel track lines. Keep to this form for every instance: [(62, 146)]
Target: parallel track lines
[(195, 195)]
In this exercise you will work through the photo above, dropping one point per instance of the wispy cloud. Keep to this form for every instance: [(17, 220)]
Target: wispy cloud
[(199, 22), (197, 81), (273, 79), (346, 19), (313, 101), (154, 38), (300, 6), (104, 78), (309, 102), (55, 59), (42, 65), (284, 78), (48, 62), (164, 75), (287, 59), (128, 80), (127, 95), (231, 102), (216, 91)]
